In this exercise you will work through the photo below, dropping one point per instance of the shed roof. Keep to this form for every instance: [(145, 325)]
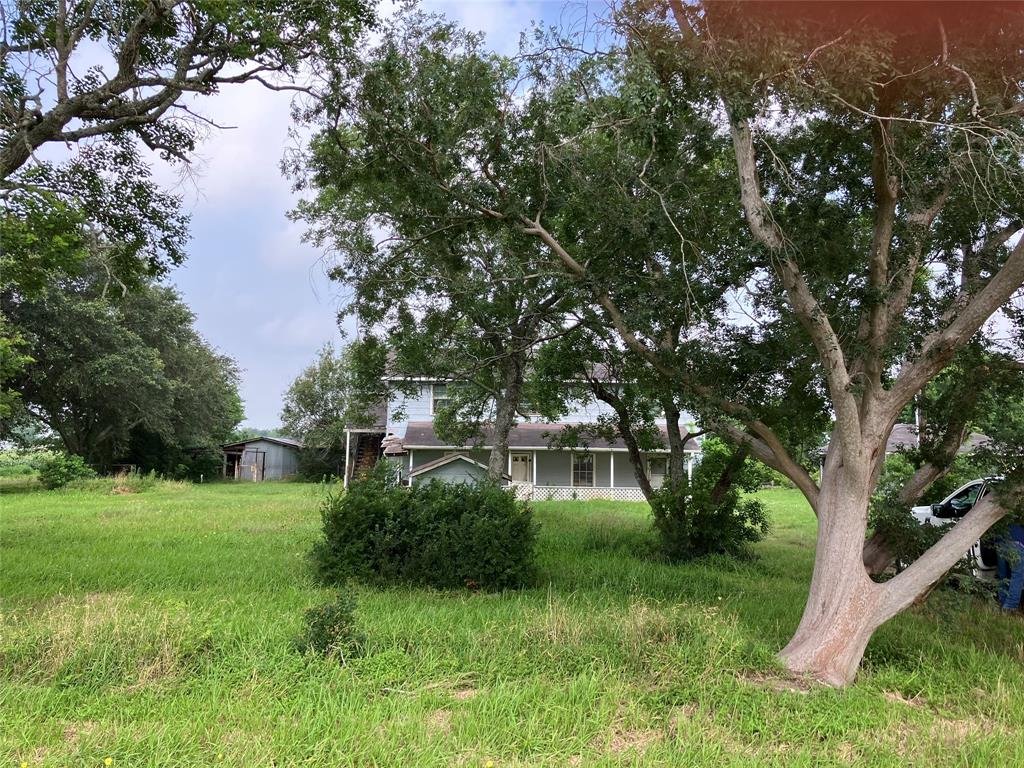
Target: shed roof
[(289, 442)]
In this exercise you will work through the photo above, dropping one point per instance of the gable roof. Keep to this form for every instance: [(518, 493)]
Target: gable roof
[(288, 442), (431, 465)]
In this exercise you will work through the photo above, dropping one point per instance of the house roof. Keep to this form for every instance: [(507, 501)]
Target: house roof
[(904, 437), (290, 442), (432, 465), (377, 419), (420, 434)]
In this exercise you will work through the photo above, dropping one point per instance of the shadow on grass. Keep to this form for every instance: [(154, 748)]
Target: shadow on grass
[(19, 484)]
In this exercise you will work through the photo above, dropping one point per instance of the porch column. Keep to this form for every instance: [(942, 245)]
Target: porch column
[(348, 444), (611, 472)]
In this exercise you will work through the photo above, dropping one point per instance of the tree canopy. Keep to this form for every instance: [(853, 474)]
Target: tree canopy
[(108, 368), (796, 220)]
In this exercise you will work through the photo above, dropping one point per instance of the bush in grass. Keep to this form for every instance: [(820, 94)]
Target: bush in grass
[(62, 468), (907, 538), (434, 534), (331, 630), (692, 521), (20, 463)]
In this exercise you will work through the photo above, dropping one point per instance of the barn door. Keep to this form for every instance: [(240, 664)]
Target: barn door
[(253, 464)]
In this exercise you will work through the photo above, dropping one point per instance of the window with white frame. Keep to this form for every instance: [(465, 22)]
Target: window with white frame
[(438, 397), (657, 468), (583, 469)]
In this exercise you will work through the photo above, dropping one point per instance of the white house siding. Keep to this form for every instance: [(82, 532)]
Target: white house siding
[(416, 407), (413, 408), (624, 477), (553, 467)]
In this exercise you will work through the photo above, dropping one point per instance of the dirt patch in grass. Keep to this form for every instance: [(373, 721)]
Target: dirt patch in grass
[(76, 730), (439, 722), (781, 683), (465, 694), (632, 740), (896, 697)]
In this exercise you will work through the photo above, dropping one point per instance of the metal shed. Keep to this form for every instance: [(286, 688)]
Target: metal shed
[(261, 458)]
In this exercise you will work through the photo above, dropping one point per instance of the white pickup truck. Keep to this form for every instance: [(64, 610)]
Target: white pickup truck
[(955, 506)]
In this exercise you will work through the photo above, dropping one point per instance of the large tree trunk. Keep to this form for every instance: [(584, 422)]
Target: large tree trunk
[(844, 606), (636, 458), (676, 443), (506, 406), (841, 611)]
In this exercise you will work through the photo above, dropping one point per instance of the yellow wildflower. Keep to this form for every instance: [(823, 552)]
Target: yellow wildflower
[(108, 761)]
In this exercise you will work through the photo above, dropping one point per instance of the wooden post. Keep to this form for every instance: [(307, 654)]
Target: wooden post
[(348, 467)]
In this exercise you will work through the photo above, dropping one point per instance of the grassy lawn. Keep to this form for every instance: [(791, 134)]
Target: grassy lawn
[(156, 629)]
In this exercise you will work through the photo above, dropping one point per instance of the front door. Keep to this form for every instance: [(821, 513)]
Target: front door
[(522, 468)]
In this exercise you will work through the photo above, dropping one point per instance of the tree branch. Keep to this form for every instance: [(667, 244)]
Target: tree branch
[(964, 319), (807, 309)]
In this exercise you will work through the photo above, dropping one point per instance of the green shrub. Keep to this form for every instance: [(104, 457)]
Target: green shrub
[(23, 462), (905, 536), (62, 468), (434, 534), (692, 522), (317, 465), (331, 630)]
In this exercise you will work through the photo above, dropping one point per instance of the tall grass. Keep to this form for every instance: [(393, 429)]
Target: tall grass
[(156, 629)]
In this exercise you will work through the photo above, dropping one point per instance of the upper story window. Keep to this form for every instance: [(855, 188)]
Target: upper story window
[(583, 469), (438, 397)]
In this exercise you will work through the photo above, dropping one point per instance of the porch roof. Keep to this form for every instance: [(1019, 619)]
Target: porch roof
[(420, 434)]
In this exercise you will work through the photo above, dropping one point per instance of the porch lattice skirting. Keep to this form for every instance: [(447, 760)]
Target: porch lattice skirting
[(530, 492)]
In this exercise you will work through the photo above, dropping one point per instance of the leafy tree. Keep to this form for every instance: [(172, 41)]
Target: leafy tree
[(104, 78), (708, 515), (108, 368), (865, 264), (317, 407), (156, 52), (450, 294), (880, 123)]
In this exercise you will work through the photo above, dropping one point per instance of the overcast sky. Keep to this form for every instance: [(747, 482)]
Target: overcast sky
[(259, 294)]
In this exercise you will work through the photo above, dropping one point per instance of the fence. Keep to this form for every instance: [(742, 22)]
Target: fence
[(530, 492)]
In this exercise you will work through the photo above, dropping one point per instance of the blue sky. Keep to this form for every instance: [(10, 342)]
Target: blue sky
[(259, 294)]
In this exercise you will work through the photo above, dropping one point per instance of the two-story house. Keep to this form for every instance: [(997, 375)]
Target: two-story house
[(403, 433)]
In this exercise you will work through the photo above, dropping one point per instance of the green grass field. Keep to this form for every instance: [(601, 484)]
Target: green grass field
[(155, 629)]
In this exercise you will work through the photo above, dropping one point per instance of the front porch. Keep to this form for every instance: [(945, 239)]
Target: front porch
[(544, 474)]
